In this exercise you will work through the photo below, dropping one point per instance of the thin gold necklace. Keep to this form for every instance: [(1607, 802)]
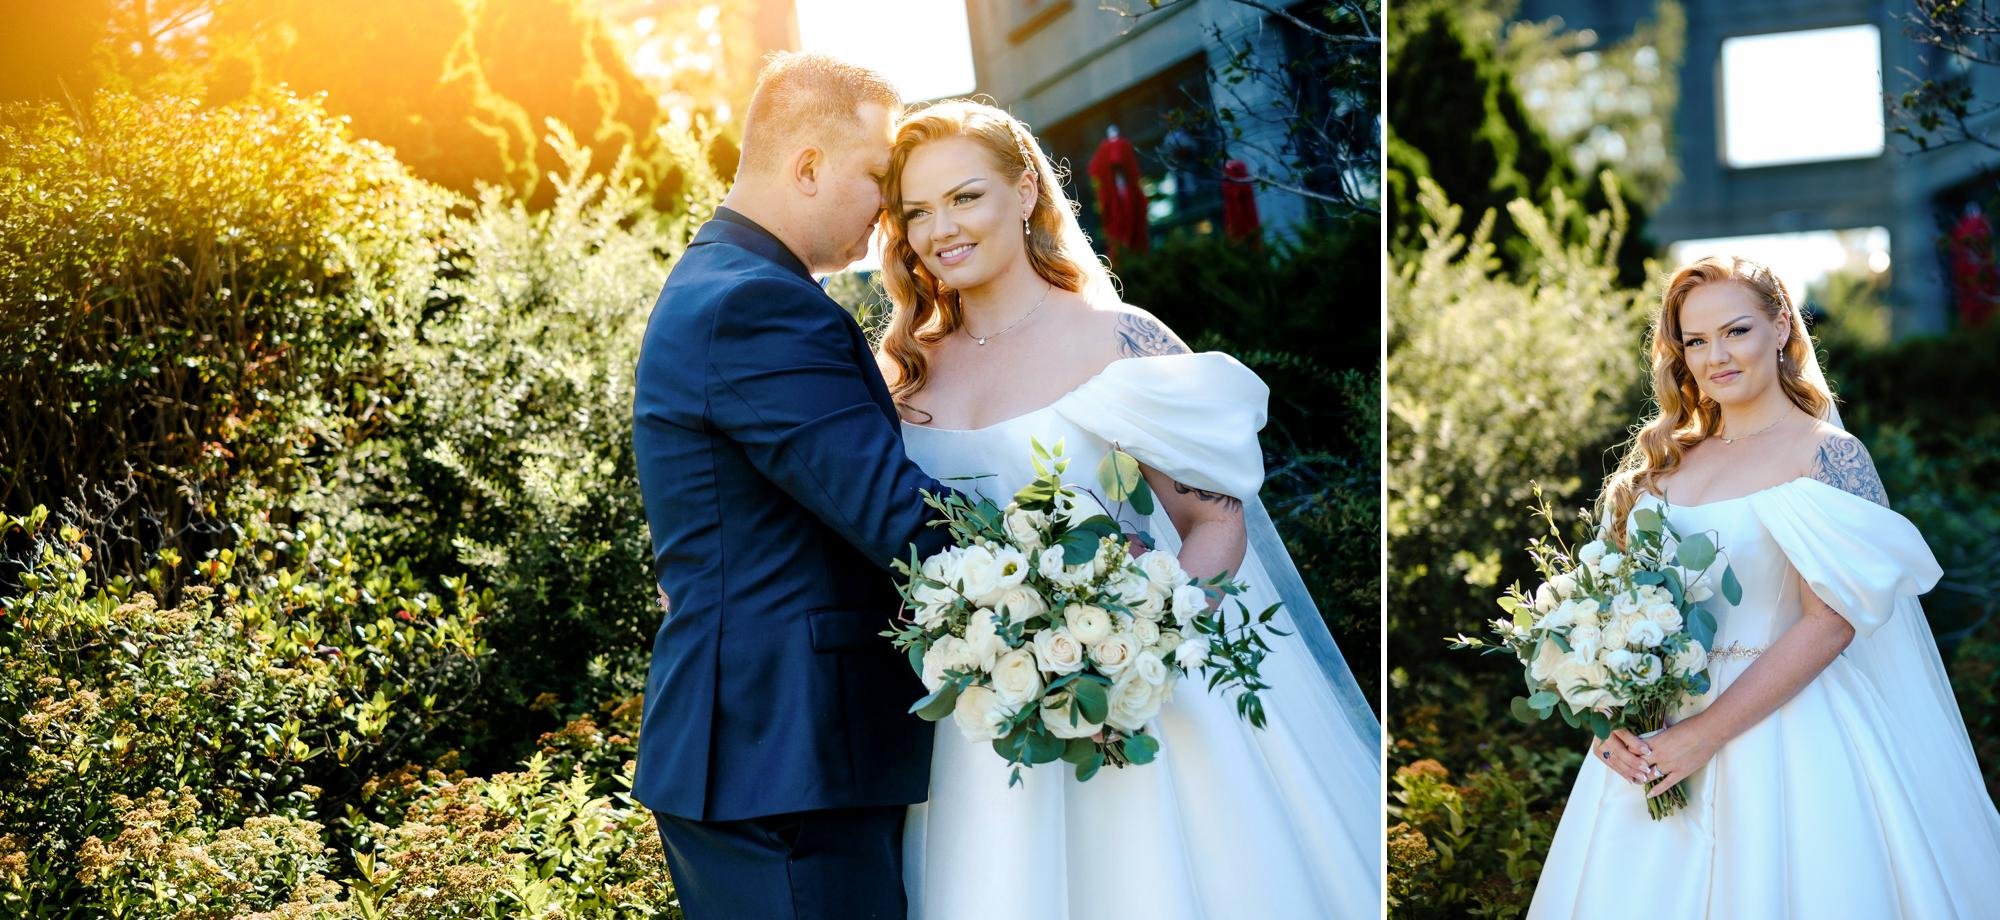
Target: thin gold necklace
[(1774, 424), (981, 339)]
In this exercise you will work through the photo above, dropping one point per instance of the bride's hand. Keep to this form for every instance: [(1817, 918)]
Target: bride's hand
[(1624, 753), (1679, 750)]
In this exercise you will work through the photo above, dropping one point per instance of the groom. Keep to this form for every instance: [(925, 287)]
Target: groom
[(776, 749)]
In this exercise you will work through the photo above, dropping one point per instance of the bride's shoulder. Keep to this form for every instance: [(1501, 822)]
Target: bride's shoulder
[(1840, 460), (1126, 331)]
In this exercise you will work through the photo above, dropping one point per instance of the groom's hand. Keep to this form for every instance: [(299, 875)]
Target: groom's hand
[(666, 605)]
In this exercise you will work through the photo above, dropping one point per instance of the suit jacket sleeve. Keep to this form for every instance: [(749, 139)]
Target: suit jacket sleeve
[(784, 384)]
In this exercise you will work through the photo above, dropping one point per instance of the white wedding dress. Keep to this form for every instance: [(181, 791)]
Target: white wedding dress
[(1859, 797), (1229, 821)]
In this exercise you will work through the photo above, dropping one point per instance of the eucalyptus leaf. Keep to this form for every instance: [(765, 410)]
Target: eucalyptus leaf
[(1732, 590), (1141, 748), (937, 704), (1091, 701), (1697, 552)]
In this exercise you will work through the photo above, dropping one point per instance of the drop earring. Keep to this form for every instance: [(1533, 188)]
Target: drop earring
[(1024, 226)]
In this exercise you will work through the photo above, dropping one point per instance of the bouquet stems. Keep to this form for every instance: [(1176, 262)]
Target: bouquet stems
[(1653, 719)]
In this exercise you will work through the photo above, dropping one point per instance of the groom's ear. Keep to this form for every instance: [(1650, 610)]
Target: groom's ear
[(806, 166)]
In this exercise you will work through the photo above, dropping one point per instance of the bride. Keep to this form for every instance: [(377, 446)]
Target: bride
[(1006, 328), (1828, 770)]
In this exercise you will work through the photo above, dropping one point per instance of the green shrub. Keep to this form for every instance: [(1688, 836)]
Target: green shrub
[(195, 297), (283, 677)]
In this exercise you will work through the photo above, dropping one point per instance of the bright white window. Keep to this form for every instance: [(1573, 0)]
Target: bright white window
[(1801, 97), (1800, 260)]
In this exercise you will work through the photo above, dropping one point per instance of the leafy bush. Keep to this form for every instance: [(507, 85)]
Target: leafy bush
[(181, 349), (1496, 385), (282, 677)]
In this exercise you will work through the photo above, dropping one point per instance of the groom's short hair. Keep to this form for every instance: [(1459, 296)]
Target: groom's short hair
[(804, 99)]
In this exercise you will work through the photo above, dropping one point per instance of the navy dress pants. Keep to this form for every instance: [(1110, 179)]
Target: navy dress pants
[(840, 863)]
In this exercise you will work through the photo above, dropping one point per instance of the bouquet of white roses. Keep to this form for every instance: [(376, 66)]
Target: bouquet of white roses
[(1614, 639), (1038, 630)]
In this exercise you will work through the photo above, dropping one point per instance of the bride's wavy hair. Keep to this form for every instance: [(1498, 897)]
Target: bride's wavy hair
[(1686, 417), (925, 311)]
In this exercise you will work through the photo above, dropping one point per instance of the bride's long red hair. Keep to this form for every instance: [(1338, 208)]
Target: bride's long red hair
[(1686, 417), (925, 311)]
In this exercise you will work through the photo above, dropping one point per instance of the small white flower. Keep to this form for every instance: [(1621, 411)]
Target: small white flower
[(1691, 659), (1565, 584), (1189, 602), (1648, 670), (1591, 552), (1170, 640), (947, 654), (1619, 660), (1150, 668), (1545, 598), (1191, 653), (1581, 684), (1025, 527), (930, 615), (1645, 634), (1090, 625), (980, 714), (1147, 632), (1014, 566), (1610, 563), (1017, 679), (982, 633), (1667, 615), (1113, 655), (1162, 569), (1020, 604), (978, 572), (1057, 651)]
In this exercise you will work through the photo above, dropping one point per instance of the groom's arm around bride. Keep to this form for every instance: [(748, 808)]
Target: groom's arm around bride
[(776, 747)]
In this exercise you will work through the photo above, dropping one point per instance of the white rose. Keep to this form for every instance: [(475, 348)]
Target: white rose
[(1565, 584), (1654, 595), (1090, 625), (978, 572), (982, 633), (1645, 634), (1545, 598), (1153, 605), (1191, 653), (1151, 668), (930, 615), (1189, 602), (980, 714), (1584, 641), (1648, 670), (1170, 639), (1616, 634), (1133, 702), (1057, 650), (1667, 615), (1020, 604), (1017, 678), (1582, 683), (1691, 659), (1590, 553), (1626, 603), (1163, 570), (1114, 654), (1610, 563), (1548, 656), (1059, 723), (1147, 632), (1050, 565), (947, 654), (1024, 527), (1619, 660), (943, 569)]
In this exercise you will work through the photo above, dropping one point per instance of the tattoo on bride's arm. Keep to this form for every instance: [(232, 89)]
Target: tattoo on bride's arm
[(1227, 501), (1140, 336), (1845, 465)]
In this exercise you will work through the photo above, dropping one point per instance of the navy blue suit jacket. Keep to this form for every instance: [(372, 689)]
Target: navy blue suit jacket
[(777, 491)]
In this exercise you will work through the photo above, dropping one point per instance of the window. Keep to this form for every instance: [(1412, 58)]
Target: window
[(1802, 97)]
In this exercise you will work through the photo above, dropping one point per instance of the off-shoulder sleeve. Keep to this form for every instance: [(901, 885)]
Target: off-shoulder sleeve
[(1859, 557), (1193, 417)]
